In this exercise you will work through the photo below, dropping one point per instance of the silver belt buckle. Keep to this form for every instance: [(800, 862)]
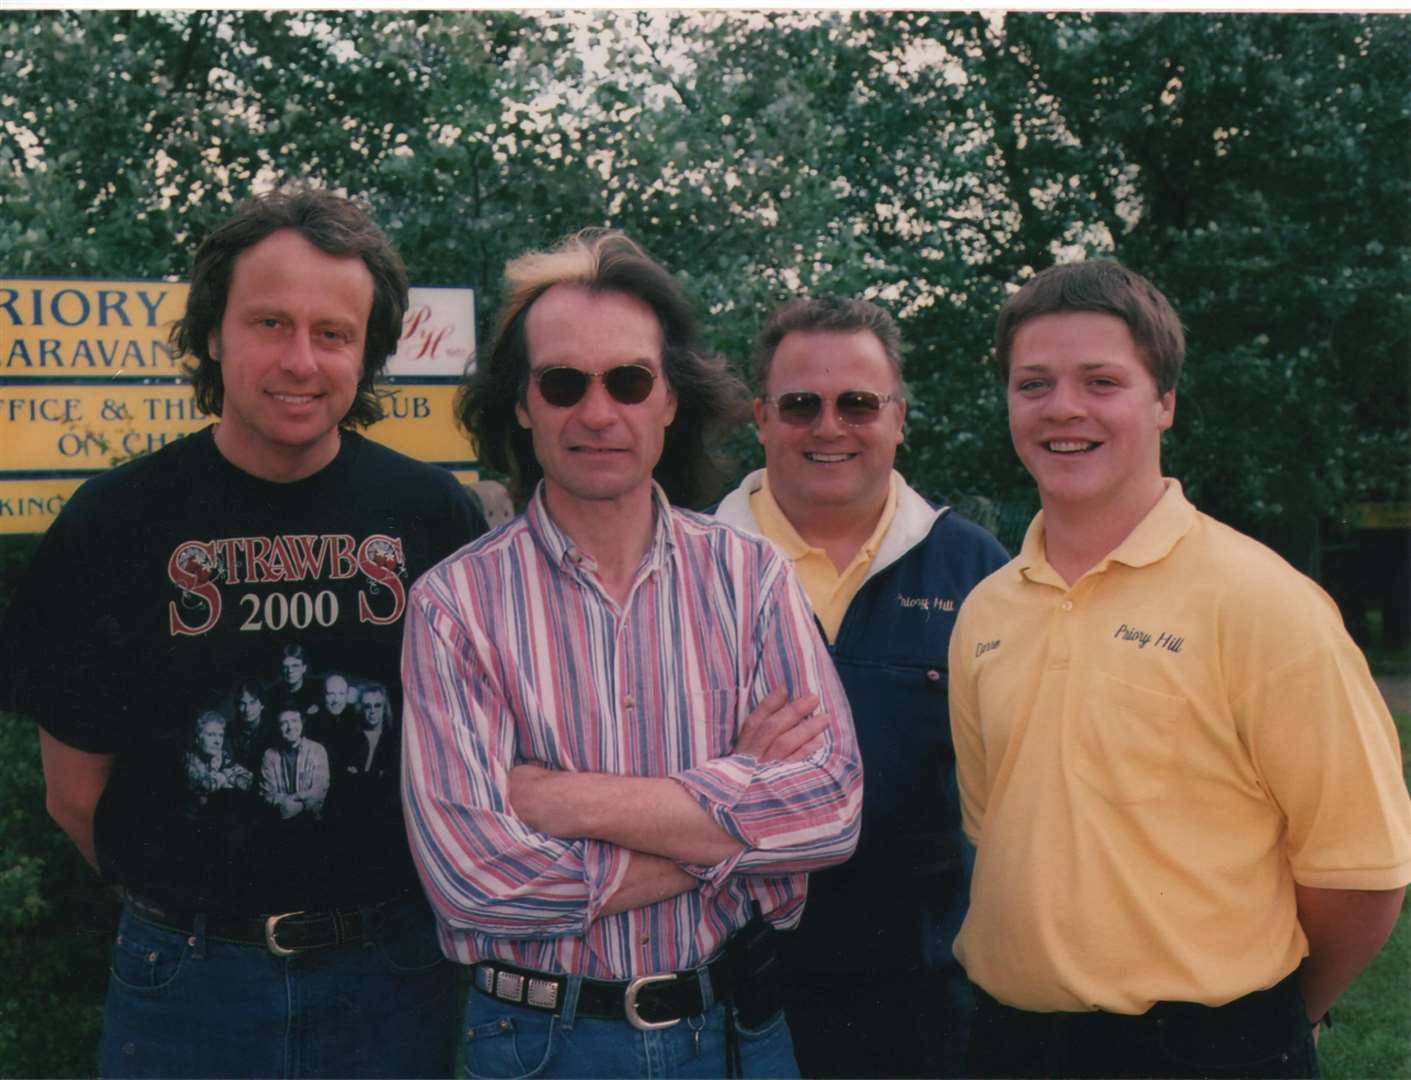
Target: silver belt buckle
[(629, 1003), (270, 924)]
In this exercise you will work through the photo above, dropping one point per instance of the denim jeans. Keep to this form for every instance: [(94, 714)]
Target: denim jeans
[(504, 1041), (182, 1005)]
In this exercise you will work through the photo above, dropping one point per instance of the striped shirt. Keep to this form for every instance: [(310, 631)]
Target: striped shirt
[(514, 653)]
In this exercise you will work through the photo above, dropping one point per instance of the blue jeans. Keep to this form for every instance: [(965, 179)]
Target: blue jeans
[(182, 1005), (504, 1041)]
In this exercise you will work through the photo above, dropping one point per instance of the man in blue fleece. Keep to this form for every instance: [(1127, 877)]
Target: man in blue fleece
[(874, 988)]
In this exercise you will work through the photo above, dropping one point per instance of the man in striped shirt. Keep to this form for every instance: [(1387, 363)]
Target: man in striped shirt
[(626, 746)]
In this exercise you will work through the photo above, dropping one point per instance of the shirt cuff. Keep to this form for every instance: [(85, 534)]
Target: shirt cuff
[(604, 869)]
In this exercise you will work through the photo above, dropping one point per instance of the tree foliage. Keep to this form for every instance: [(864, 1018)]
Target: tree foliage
[(1269, 161), (1255, 166)]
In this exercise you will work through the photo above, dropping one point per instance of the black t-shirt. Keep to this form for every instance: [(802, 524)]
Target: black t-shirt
[(202, 625)]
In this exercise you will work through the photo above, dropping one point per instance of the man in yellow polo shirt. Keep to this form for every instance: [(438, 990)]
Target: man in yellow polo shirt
[(1185, 790), (873, 989)]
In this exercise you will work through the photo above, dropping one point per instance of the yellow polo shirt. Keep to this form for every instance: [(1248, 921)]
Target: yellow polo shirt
[(828, 591), (1150, 759)]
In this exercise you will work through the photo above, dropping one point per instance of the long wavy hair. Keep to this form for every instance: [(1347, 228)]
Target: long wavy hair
[(710, 399)]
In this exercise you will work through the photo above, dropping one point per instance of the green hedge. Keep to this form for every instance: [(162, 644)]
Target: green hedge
[(56, 925)]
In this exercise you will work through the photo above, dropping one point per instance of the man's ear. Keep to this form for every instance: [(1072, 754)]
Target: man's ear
[(1166, 415), (213, 345), (759, 419)]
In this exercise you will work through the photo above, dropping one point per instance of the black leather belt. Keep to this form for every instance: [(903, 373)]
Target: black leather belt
[(647, 1003), (288, 934)]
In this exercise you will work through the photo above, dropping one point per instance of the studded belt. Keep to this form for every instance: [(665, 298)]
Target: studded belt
[(647, 1003)]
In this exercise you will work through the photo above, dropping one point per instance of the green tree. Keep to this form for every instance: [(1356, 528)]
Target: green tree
[(1263, 167)]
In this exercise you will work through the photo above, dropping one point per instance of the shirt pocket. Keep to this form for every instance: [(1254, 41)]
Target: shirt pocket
[(1127, 742)]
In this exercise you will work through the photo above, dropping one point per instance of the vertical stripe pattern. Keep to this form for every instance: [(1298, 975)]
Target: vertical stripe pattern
[(513, 653)]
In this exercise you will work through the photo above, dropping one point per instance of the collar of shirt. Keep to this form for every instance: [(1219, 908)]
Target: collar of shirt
[(1151, 541), (563, 553), (829, 591)]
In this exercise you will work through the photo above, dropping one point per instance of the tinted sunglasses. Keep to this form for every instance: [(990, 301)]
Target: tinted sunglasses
[(628, 384), (800, 408)]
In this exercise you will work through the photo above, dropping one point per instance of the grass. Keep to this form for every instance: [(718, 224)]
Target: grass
[(1371, 1036)]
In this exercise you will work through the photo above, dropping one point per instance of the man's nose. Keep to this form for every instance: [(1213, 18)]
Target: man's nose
[(298, 358), (597, 409), (829, 423), (1064, 402)]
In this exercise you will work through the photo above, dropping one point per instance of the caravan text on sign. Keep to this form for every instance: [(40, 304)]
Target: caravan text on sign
[(84, 328)]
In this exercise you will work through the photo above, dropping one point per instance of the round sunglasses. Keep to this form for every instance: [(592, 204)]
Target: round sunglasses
[(564, 387), (800, 408)]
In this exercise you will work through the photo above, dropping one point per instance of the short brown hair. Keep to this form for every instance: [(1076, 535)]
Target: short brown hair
[(1106, 286), (709, 397), (333, 224), (830, 314)]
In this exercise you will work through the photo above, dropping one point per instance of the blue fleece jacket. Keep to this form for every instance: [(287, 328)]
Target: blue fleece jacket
[(897, 904)]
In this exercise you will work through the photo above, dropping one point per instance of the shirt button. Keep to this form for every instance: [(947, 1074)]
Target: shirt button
[(628, 700), (933, 675), (646, 939), (1068, 605)]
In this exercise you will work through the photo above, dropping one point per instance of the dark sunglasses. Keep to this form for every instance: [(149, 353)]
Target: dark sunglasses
[(628, 384), (800, 408)]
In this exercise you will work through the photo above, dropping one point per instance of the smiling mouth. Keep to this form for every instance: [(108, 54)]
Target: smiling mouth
[(1070, 446), (827, 459), (294, 399)]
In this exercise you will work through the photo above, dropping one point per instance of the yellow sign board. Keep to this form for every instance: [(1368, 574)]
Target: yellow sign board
[(30, 506), (55, 328), (96, 427), (88, 381)]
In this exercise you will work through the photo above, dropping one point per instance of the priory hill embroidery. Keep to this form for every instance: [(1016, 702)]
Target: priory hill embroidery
[(1162, 639), (926, 603)]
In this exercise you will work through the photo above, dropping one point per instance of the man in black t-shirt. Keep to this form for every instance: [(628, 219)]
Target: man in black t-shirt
[(257, 938)]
